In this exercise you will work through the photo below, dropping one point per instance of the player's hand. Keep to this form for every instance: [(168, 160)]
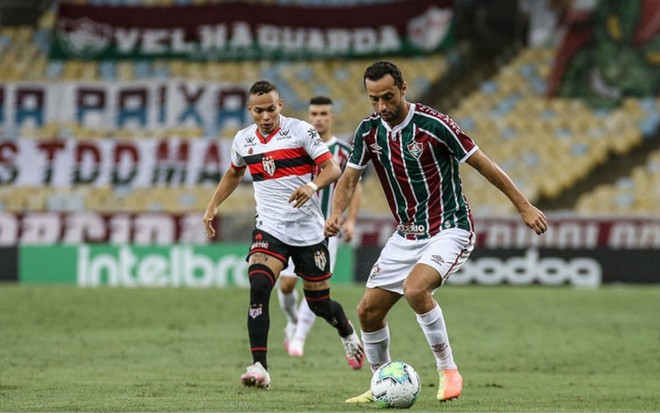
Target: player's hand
[(209, 215), (535, 219), (333, 225), (301, 195), (348, 230)]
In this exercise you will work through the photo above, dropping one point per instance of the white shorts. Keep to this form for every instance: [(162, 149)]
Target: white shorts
[(333, 244), (445, 252)]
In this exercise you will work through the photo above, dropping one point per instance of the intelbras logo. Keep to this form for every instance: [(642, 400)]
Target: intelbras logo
[(175, 266)]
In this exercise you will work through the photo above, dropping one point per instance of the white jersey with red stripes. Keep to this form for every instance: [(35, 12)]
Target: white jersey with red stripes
[(279, 163)]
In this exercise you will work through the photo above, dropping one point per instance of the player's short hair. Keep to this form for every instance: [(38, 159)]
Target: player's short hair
[(320, 100), (380, 69), (261, 87)]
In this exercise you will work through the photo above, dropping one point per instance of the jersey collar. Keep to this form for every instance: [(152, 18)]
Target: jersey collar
[(406, 121), (266, 139)]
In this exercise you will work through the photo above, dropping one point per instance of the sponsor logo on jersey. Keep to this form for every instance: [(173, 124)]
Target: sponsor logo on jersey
[(284, 134), (269, 165), (376, 148), (259, 242), (250, 141), (415, 229), (416, 149), (320, 259), (255, 311)]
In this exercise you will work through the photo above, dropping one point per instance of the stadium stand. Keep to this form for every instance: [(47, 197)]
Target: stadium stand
[(547, 145), (637, 193)]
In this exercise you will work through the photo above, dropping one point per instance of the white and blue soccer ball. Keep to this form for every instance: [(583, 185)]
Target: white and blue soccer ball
[(395, 384)]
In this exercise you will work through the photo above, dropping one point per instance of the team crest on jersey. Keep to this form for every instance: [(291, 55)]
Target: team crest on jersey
[(255, 312), (269, 165), (416, 149), (320, 260), (378, 150)]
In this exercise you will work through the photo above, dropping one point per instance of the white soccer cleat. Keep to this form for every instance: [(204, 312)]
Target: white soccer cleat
[(289, 331), (256, 376), (354, 351), (296, 348)]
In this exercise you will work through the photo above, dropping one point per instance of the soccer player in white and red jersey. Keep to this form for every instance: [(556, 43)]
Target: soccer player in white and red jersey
[(300, 320), (416, 152), (282, 155)]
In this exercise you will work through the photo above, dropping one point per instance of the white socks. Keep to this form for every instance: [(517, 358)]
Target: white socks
[(289, 304), (377, 347), (435, 330), (306, 320), (302, 317)]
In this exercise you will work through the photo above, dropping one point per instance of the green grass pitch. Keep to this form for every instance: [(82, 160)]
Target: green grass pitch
[(174, 350)]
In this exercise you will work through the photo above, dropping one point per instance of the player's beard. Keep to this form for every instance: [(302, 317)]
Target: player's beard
[(392, 116)]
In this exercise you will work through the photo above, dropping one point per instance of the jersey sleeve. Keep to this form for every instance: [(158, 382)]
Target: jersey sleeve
[(358, 158), (460, 144), (313, 143), (237, 161)]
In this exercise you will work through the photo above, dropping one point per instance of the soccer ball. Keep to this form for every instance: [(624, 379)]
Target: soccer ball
[(395, 384)]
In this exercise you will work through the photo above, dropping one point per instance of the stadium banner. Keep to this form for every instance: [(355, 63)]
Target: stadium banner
[(109, 105), (609, 52), (134, 163), (578, 251), (242, 30), (87, 227), (96, 265)]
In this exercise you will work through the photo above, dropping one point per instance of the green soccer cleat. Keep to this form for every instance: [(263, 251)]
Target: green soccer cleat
[(365, 397)]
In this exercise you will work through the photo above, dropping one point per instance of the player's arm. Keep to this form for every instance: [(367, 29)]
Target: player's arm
[(330, 172), (532, 216), (227, 185), (343, 197), (348, 228)]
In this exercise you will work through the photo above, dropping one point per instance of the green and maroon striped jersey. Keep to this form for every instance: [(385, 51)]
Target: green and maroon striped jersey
[(417, 163), (341, 151)]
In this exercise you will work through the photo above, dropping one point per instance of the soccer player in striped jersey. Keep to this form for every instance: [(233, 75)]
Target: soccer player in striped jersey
[(300, 320), (283, 155), (416, 152)]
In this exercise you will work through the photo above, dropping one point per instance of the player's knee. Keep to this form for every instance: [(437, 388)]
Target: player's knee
[(287, 284), (368, 314), (262, 280), (416, 294)]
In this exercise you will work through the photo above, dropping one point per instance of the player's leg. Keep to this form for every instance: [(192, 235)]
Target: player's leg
[(263, 269), (384, 289), (317, 295), (287, 296), (306, 316), (306, 319), (454, 246), (372, 310), (314, 268)]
